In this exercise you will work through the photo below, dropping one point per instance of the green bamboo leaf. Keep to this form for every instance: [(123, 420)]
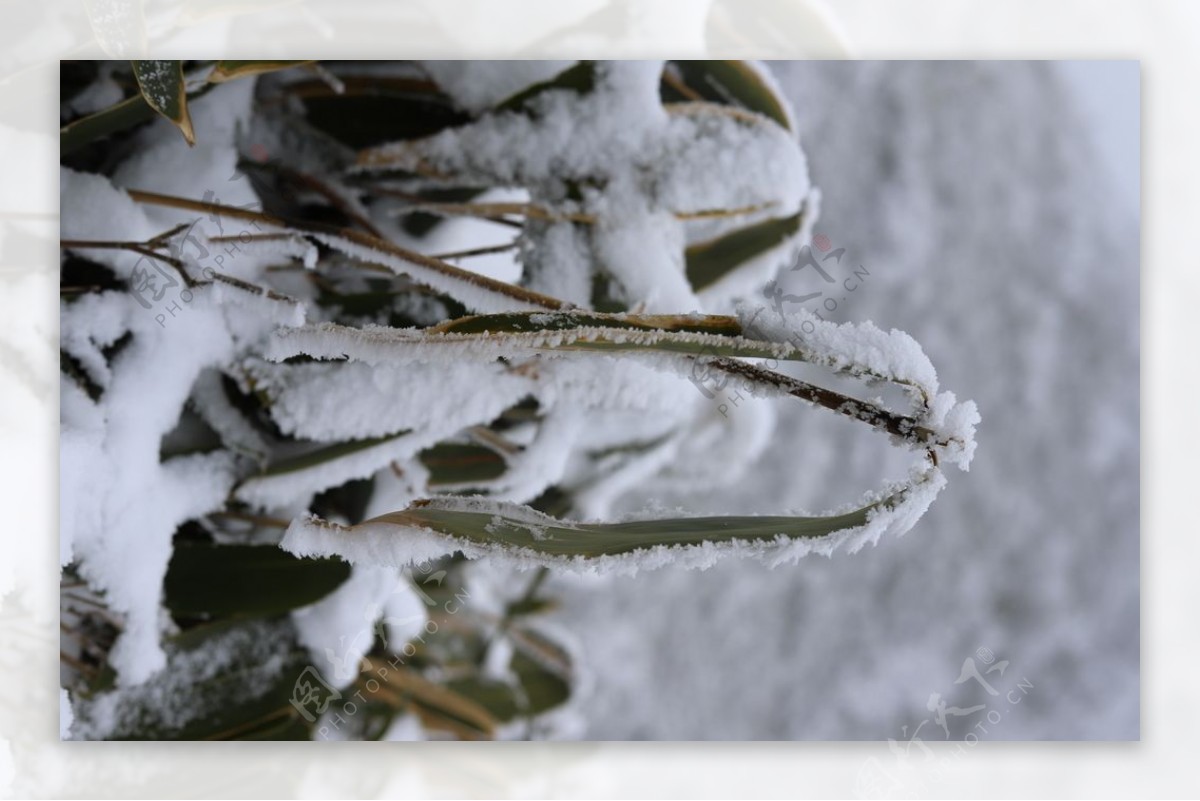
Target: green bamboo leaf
[(368, 119), (519, 527), (119, 117), (543, 688), (733, 83), (161, 84), (435, 703), (708, 262), (579, 78), (497, 697), (328, 453), (454, 463), (209, 580), (232, 70), (126, 114)]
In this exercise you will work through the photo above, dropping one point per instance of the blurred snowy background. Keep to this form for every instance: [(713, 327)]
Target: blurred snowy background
[(995, 206)]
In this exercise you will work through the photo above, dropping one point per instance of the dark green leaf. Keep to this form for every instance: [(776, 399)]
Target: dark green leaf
[(327, 453), (495, 696), (209, 580), (452, 463), (734, 83), (709, 262), (544, 688), (580, 78), (161, 84)]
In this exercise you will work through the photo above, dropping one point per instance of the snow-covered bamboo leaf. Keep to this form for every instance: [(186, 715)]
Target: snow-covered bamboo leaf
[(547, 536), (735, 82), (214, 581), (161, 84), (855, 350), (478, 528), (232, 680)]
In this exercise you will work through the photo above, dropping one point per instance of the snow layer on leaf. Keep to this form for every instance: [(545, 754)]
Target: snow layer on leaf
[(857, 348), (352, 400), (340, 629), (124, 503), (257, 651), (617, 154), (90, 207)]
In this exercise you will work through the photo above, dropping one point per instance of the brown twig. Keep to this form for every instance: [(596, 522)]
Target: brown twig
[(485, 251), (362, 240), (903, 426)]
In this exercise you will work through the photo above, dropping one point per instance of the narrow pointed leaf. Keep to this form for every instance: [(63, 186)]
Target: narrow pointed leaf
[(161, 84), (708, 262), (735, 83), (322, 455), (556, 538), (232, 70)]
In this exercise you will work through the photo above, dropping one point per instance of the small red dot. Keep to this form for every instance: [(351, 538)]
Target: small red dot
[(821, 242)]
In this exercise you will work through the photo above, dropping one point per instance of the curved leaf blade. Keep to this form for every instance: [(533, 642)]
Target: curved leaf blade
[(556, 538), (232, 70), (161, 84), (710, 261), (735, 83), (579, 78)]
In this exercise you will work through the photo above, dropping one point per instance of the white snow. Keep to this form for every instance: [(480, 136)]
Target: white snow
[(340, 629), (120, 504), (640, 166), (478, 85)]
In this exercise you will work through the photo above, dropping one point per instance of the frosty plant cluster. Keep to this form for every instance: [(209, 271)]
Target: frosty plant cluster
[(356, 393)]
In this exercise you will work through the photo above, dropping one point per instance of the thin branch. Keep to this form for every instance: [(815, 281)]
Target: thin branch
[(362, 240), (314, 184), (903, 426), (672, 80), (536, 212), (465, 254), (490, 439)]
